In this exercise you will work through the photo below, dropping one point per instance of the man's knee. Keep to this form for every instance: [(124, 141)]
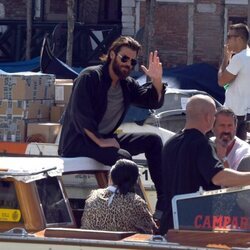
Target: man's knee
[(155, 140), (124, 154)]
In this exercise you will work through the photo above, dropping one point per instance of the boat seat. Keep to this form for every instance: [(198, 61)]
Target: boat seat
[(86, 234)]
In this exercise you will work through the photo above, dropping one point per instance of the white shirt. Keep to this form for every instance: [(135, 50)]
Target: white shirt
[(237, 96), (239, 150)]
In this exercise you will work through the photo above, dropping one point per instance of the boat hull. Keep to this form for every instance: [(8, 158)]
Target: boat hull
[(84, 244)]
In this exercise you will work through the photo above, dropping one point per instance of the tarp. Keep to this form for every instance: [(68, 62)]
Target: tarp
[(201, 76), (21, 66)]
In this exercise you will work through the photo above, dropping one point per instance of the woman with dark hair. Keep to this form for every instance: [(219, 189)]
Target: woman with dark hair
[(117, 207)]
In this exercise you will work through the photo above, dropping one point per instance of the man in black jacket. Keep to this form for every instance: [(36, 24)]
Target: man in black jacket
[(100, 99)]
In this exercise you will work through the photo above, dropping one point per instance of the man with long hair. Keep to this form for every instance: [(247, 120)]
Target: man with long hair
[(99, 101)]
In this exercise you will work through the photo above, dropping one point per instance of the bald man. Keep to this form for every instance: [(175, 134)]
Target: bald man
[(189, 160)]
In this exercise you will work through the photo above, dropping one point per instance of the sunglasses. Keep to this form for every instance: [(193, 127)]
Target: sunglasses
[(125, 59)]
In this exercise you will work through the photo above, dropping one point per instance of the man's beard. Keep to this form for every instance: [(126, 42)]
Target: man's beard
[(118, 70), (227, 139)]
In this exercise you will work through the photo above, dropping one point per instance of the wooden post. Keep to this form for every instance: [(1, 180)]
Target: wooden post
[(29, 28), (102, 179), (70, 35), (149, 29)]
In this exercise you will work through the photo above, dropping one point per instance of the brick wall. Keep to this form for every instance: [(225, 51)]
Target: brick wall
[(128, 17), (171, 28), (14, 9), (185, 32), (190, 32), (208, 31)]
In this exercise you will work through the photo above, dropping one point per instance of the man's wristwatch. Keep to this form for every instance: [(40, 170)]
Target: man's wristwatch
[(224, 159)]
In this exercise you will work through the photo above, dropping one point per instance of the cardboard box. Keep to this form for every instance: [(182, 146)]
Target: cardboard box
[(63, 89), (48, 131), (26, 109), (27, 86), (12, 129), (56, 113)]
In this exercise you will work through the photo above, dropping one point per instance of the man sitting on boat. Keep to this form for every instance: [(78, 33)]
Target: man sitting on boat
[(230, 149), (99, 101), (189, 159), (117, 207)]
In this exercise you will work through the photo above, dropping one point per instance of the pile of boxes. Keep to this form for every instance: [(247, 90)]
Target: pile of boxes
[(49, 130), (63, 88), (32, 104)]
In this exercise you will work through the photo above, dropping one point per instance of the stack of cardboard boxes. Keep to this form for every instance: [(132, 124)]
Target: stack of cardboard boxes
[(25, 98), (31, 106), (63, 88), (49, 130)]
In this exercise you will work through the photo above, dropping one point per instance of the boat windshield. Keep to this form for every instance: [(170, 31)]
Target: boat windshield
[(223, 209), (55, 205)]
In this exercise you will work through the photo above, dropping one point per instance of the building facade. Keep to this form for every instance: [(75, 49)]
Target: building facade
[(184, 31), (187, 31)]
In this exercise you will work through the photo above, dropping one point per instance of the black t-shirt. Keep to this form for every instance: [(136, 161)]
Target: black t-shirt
[(188, 162)]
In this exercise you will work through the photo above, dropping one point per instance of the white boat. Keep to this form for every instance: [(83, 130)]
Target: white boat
[(35, 213), (76, 183)]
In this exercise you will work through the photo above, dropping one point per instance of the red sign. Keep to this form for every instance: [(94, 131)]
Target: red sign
[(207, 222)]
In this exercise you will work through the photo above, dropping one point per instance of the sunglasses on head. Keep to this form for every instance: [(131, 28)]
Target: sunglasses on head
[(125, 59)]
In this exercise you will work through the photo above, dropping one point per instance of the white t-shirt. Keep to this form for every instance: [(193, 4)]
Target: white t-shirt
[(239, 150), (237, 95)]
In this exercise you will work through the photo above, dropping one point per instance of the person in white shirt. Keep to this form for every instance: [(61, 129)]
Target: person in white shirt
[(229, 148), (234, 74)]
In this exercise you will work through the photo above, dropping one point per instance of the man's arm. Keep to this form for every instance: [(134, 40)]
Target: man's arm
[(154, 71), (225, 77), (230, 178), (103, 143)]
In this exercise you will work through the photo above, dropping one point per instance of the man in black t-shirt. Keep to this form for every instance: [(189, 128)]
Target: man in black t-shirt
[(189, 161)]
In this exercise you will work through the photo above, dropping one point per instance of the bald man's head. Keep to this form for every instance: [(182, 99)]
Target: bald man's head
[(200, 110)]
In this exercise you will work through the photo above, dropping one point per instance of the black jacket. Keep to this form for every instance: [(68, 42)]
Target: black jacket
[(88, 103)]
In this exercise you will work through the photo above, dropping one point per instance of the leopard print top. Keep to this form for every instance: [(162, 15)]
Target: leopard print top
[(126, 213)]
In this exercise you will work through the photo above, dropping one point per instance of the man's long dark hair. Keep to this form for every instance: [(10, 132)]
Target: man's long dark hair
[(122, 41)]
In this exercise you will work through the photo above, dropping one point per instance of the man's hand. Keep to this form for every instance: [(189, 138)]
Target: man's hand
[(227, 53), (103, 143), (109, 142), (225, 77), (221, 148), (154, 71)]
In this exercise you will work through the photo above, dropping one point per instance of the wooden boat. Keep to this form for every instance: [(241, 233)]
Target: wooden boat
[(76, 183), (35, 213)]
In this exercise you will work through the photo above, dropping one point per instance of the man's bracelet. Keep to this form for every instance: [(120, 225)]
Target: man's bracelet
[(224, 159)]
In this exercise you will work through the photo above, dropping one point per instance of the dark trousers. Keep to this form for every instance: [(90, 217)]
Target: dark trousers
[(134, 144), (241, 131)]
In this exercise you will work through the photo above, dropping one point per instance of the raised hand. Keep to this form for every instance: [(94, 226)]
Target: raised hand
[(154, 71), (227, 53)]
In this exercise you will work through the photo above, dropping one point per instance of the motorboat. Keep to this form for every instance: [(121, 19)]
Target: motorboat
[(36, 213)]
